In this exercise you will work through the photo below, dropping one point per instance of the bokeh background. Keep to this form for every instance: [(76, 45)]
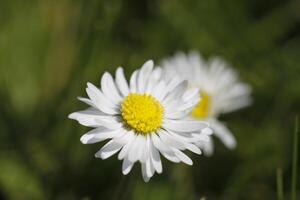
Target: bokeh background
[(49, 49)]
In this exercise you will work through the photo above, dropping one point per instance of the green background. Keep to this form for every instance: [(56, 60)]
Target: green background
[(49, 49)]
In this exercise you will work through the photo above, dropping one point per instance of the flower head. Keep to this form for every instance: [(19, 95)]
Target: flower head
[(142, 119), (220, 90)]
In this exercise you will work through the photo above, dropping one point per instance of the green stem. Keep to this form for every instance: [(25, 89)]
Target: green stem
[(279, 181), (295, 157)]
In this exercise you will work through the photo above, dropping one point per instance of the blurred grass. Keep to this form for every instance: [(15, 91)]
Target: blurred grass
[(295, 160), (50, 49), (279, 180)]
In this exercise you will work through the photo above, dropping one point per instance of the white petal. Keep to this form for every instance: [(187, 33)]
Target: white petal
[(159, 144), (171, 156), (184, 158), (238, 104), (149, 168), (188, 106), (184, 125), (174, 82), (223, 134), (121, 82), (177, 92), (159, 91), (86, 113), (164, 149), (190, 94), (126, 148), (109, 88), (175, 114), (153, 80), (207, 147), (136, 149), (157, 72), (232, 97), (207, 131), (144, 174), (185, 137), (87, 101), (86, 117), (94, 118), (109, 122), (173, 106), (144, 75), (99, 134), (170, 141), (108, 150), (155, 157), (201, 137), (193, 148), (125, 138), (100, 101), (143, 149), (126, 166), (237, 90), (89, 122), (179, 142), (133, 82)]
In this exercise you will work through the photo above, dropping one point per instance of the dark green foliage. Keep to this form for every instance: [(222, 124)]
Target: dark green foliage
[(49, 49)]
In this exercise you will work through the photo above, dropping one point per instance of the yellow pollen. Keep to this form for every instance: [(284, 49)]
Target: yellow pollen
[(201, 110), (141, 112)]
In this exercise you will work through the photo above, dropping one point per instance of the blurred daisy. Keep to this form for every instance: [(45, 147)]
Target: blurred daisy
[(221, 92), (142, 119)]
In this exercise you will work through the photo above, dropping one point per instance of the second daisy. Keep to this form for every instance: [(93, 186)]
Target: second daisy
[(221, 91)]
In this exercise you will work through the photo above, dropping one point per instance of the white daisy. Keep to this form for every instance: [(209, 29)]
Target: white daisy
[(142, 119), (220, 89)]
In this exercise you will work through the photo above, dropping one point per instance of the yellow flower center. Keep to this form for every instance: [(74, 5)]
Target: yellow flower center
[(201, 110), (141, 112)]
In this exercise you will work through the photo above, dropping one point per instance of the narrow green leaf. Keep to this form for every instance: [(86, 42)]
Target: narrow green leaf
[(295, 160), (279, 180)]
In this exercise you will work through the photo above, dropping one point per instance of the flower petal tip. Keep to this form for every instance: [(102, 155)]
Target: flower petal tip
[(85, 138), (72, 116)]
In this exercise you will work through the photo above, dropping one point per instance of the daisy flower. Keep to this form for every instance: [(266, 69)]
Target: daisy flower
[(220, 90), (142, 119)]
